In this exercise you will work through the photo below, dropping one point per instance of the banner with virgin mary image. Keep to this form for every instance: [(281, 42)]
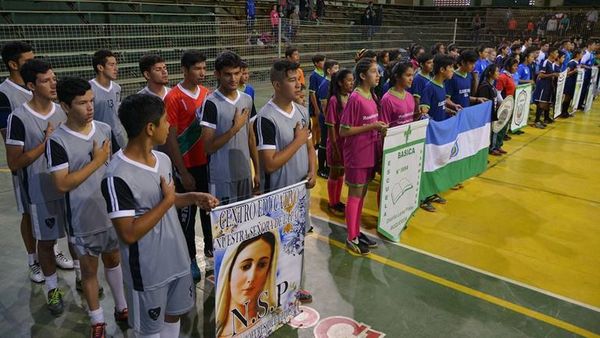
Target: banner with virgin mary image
[(259, 251)]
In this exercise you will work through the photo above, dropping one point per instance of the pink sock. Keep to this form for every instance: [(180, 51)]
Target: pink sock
[(332, 190), (360, 207), (353, 216), (340, 185)]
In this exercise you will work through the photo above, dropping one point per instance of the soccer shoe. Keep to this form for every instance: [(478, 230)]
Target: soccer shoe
[(334, 210), (63, 261), (495, 152), (427, 206), (362, 238), (548, 121), (35, 273), (55, 302), (357, 249), (79, 287), (121, 316), (195, 271), (539, 125), (98, 330), (502, 151)]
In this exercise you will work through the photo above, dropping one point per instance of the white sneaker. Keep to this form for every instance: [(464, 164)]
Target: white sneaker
[(63, 261), (35, 273)]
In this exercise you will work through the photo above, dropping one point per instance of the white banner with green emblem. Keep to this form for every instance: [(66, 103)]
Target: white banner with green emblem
[(521, 107), (560, 89), (578, 87), (402, 166)]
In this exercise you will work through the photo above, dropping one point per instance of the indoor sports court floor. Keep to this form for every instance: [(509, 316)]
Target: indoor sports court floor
[(516, 253)]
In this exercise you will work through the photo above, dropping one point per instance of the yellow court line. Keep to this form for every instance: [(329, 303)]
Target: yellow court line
[(468, 291)]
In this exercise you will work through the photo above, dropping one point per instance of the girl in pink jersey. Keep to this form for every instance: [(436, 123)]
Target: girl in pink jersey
[(398, 105), (340, 88), (360, 127)]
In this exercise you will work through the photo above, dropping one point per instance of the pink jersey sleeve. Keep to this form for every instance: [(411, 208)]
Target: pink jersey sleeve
[(331, 119), (386, 109), (350, 114)]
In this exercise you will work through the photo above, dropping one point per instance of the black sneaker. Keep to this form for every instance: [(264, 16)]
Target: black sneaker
[(366, 240), (55, 302), (341, 207), (548, 121), (357, 249), (79, 287)]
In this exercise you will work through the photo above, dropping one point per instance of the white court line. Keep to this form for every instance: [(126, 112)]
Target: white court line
[(447, 260)]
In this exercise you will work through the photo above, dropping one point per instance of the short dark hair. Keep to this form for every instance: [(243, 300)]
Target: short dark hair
[(424, 58), (12, 51), (290, 50), (244, 64), (451, 47), (148, 61), (227, 59), (381, 55), (481, 49), (330, 64), (318, 58), (576, 52), (510, 62), (398, 70), (441, 61), (280, 70), (32, 68), (515, 47), (191, 57), (99, 58), (467, 56), (137, 110), (70, 87)]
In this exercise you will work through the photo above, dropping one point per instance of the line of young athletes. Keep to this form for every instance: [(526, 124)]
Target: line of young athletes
[(89, 163)]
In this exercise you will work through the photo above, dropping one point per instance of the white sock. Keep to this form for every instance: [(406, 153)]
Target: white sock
[(96, 316), (77, 268), (170, 330), (31, 258), (51, 282), (114, 278)]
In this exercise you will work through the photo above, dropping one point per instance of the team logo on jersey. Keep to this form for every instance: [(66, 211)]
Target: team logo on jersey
[(519, 111), (154, 313), (50, 222)]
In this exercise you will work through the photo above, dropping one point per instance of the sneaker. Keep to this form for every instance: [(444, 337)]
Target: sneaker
[(208, 253), (502, 151), (366, 240), (304, 296), (539, 125), (427, 206), (121, 316), (340, 207), (98, 330), (55, 302), (437, 199), (35, 273), (63, 261), (357, 249), (519, 132), (79, 287), (507, 138), (195, 271), (495, 152), (332, 209), (548, 121)]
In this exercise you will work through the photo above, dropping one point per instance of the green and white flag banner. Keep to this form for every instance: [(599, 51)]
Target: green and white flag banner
[(521, 107)]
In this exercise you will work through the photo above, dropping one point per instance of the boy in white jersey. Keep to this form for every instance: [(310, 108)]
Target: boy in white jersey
[(78, 153), (154, 70), (107, 93), (29, 127), (141, 200)]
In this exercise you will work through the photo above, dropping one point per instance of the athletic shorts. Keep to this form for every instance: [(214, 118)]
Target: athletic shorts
[(231, 192), (95, 244), (147, 309), (20, 196), (359, 176), (48, 220)]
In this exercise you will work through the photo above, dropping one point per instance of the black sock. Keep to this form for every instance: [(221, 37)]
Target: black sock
[(322, 155), (538, 114)]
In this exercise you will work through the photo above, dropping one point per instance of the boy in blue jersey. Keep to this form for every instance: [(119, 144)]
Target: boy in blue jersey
[(314, 81), (331, 67), (458, 88), (587, 61), (433, 104), (570, 82), (423, 76)]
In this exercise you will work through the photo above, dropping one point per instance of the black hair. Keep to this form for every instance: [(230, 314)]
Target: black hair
[(467, 56), (137, 110), (451, 47), (362, 66), (515, 47), (191, 57), (244, 64), (149, 60), (227, 59), (99, 58), (290, 50), (576, 52), (510, 62), (318, 58), (436, 48), (32, 68), (329, 64), (561, 54), (397, 71), (70, 87), (381, 55), (490, 69), (424, 58), (551, 50), (280, 70), (414, 49), (481, 49), (335, 90), (394, 54), (502, 47), (441, 61), (12, 51)]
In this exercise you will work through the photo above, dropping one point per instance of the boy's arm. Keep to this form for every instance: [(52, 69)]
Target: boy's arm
[(58, 164), (312, 165), (203, 200), (212, 143), (16, 157), (270, 158), (254, 156)]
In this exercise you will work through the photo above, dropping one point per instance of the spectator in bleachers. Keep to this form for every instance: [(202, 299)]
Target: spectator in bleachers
[(379, 16), (592, 18), (320, 9), (294, 23), (274, 15), (512, 27), (530, 28), (541, 27), (250, 15), (551, 25), (476, 25), (368, 20), (564, 25)]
